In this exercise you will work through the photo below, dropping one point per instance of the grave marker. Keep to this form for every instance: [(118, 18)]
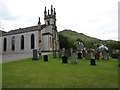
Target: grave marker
[(79, 55), (45, 58), (74, 58), (35, 57)]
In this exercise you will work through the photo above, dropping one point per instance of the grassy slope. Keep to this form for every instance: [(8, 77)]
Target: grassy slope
[(52, 74), (72, 35)]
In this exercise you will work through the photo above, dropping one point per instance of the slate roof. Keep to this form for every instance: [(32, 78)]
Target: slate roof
[(23, 30)]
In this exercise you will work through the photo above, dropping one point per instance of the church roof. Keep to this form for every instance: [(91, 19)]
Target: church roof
[(23, 30)]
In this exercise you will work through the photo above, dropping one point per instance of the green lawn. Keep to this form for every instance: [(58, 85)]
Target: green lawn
[(53, 74)]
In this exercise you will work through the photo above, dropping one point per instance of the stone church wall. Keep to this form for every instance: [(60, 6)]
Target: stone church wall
[(27, 42)]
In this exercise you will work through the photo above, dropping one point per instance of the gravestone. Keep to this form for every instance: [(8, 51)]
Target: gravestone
[(63, 51), (64, 60), (79, 55), (105, 55), (92, 62), (54, 54), (66, 53), (35, 55), (45, 58), (83, 53), (74, 58), (97, 55), (60, 53), (71, 50), (88, 54)]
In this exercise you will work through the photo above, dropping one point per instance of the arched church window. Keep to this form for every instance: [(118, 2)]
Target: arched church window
[(32, 41), (13, 43), (5, 44), (22, 42)]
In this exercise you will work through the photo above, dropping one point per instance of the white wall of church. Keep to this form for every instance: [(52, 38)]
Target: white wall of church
[(45, 38), (27, 42), (45, 42)]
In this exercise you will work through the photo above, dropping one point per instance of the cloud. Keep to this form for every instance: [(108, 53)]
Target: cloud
[(95, 18), (6, 14)]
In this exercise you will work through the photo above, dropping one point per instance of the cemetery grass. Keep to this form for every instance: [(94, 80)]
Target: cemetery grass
[(53, 74)]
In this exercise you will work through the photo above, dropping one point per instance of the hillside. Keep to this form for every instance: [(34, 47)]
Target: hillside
[(88, 41)]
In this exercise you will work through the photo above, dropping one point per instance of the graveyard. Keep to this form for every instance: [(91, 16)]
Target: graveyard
[(72, 66), (28, 73)]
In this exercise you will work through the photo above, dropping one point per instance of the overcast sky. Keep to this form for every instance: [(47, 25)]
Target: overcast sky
[(95, 18)]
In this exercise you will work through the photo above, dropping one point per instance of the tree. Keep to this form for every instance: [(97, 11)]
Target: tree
[(64, 42), (79, 40)]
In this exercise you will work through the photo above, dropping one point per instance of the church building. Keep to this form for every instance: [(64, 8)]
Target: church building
[(41, 36)]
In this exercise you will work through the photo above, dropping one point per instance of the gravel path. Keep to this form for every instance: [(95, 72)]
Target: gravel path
[(15, 57)]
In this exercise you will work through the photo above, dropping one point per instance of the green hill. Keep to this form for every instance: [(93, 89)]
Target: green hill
[(87, 40)]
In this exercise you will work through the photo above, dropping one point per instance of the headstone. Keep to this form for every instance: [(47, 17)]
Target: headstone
[(64, 60), (35, 55), (63, 51), (74, 58), (54, 54), (92, 53), (79, 55), (66, 53), (71, 50), (105, 55), (45, 58), (92, 62), (60, 53), (84, 53), (88, 54), (97, 55)]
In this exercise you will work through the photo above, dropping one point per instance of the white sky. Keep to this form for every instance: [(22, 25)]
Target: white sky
[(95, 18)]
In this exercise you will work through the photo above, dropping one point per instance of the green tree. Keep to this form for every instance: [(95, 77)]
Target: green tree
[(79, 40), (64, 42)]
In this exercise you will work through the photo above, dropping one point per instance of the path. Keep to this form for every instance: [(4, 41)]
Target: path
[(15, 57)]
